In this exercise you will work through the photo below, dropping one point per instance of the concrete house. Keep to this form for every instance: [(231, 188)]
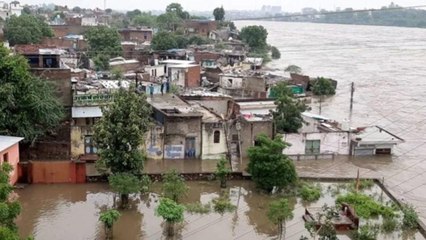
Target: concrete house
[(243, 84), (9, 153), (320, 137), (213, 133), (253, 118), (183, 73), (199, 27), (373, 140), (182, 123)]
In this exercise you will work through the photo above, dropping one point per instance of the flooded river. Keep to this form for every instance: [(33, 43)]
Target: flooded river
[(387, 66), (71, 212)]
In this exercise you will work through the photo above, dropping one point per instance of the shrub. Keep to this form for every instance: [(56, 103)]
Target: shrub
[(366, 232), (310, 193), (389, 225), (198, 208), (223, 204), (275, 53), (365, 206), (364, 184), (410, 217)]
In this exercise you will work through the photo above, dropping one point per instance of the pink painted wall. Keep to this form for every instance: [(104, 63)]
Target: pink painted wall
[(13, 153)]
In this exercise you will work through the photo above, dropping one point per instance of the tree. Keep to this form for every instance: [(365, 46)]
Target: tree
[(26, 10), (9, 206), (275, 53), (76, 9), (124, 184), (120, 133), (133, 14), (26, 29), (222, 172), (268, 166), (163, 41), (28, 106), (278, 213), (177, 9), (174, 186), (145, 19), (219, 14), (108, 11), (323, 87), (288, 114), (169, 21), (108, 218), (254, 36), (104, 43), (293, 69), (171, 212)]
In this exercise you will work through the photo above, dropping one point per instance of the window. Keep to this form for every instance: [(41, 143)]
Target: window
[(6, 157), (89, 145), (312, 147), (145, 37), (216, 137)]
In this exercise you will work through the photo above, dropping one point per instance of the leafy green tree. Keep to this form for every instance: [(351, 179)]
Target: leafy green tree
[(101, 62), (145, 19), (104, 43), (169, 21), (120, 133), (26, 10), (9, 206), (132, 14), (163, 41), (76, 9), (288, 114), (26, 29), (293, 69), (174, 186), (219, 14), (117, 74), (279, 212), (323, 87), (28, 106), (124, 184), (181, 41), (108, 218), (171, 212), (222, 172), (268, 166), (177, 9), (254, 36), (275, 53)]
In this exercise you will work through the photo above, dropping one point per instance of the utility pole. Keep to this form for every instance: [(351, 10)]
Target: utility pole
[(352, 101), (350, 116)]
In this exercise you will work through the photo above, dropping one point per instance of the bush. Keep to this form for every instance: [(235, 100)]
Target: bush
[(223, 204), (410, 217), (365, 206), (310, 193), (198, 208), (275, 53), (364, 184), (366, 232), (389, 225)]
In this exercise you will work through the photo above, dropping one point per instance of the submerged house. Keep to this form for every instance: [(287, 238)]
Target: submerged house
[(321, 137), (373, 140)]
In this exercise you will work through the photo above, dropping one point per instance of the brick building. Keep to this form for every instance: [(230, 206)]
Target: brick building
[(137, 35), (199, 27)]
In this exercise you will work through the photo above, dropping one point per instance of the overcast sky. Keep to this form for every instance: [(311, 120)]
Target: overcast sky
[(287, 5)]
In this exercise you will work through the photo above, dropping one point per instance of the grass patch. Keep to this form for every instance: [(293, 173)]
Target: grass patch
[(365, 206), (363, 184), (409, 217), (198, 208)]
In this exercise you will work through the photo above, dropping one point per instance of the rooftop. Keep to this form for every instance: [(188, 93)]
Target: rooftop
[(38, 49), (207, 115), (257, 111), (376, 135), (172, 105), (177, 62), (8, 141)]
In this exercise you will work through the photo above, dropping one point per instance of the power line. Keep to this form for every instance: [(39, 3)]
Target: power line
[(330, 13)]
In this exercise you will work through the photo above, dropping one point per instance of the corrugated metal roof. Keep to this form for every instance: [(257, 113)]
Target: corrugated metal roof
[(86, 112), (8, 141)]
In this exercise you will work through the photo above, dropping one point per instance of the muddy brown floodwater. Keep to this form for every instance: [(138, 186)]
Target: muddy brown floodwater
[(70, 212)]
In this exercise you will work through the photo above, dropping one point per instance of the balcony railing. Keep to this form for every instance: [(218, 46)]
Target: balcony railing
[(92, 99)]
